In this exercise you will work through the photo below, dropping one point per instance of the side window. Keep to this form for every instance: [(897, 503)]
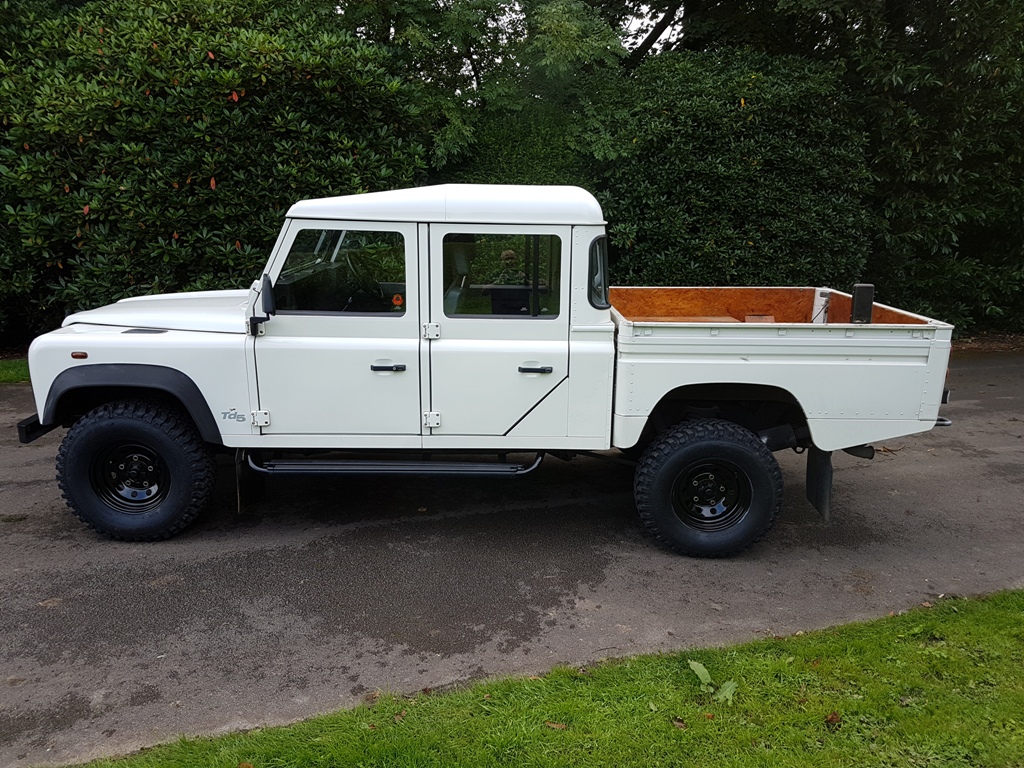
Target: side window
[(502, 275), (598, 274), (343, 270)]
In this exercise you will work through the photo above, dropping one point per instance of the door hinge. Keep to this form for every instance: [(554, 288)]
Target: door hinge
[(431, 419), (261, 418), (431, 330)]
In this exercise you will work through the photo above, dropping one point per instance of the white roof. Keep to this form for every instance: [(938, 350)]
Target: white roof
[(469, 203)]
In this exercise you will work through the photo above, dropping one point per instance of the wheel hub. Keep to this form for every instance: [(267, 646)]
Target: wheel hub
[(130, 478), (708, 494), (711, 495)]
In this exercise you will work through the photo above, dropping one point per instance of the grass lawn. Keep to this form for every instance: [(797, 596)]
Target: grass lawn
[(939, 686), (13, 371)]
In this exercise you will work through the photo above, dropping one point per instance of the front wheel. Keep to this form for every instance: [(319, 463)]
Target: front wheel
[(708, 488), (135, 471)]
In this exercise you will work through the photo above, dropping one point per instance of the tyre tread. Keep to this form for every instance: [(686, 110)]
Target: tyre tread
[(174, 424), (664, 446)]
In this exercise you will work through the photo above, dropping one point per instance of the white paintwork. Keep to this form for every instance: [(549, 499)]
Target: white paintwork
[(214, 361), (313, 370), (591, 350), (475, 381), (548, 418), (855, 383), (214, 311), (463, 203)]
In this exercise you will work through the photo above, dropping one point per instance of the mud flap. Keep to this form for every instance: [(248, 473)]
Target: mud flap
[(249, 486), (819, 481)]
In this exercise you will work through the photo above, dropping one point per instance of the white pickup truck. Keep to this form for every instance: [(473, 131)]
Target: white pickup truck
[(438, 330)]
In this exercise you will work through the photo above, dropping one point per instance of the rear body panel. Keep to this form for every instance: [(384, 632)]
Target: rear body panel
[(856, 383)]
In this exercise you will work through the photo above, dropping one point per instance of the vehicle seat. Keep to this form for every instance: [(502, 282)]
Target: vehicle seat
[(461, 256), (510, 300)]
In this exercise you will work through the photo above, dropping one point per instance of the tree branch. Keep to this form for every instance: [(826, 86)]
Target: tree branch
[(638, 53), (473, 67)]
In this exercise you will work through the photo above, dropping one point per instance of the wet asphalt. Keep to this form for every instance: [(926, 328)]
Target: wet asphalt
[(330, 590)]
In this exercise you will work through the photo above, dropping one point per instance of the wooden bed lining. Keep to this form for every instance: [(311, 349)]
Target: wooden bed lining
[(738, 305), (714, 305), (839, 306)]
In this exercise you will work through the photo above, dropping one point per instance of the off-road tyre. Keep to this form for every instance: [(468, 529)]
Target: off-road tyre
[(135, 471), (708, 488)]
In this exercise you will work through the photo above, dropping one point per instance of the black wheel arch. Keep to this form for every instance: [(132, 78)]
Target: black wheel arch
[(78, 390), (755, 407)]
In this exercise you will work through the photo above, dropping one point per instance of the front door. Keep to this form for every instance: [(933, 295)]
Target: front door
[(500, 309), (341, 354)]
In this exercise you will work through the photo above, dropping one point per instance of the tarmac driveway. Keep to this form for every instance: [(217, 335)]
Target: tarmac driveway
[(331, 589)]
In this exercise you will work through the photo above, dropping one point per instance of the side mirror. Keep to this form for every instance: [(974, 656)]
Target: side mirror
[(266, 304), (267, 297)]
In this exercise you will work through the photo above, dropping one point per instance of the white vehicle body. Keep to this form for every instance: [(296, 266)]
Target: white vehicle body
[(429, 377), (856, 384)]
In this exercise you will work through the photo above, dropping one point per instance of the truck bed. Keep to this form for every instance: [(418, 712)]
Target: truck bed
[(750, 305), (856, 383)]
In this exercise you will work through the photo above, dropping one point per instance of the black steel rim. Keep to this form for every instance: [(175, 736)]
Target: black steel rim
[(711, 495), (130, 478)]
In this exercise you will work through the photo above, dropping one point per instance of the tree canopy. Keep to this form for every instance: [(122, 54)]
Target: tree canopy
[(154, 146), (880, 140)]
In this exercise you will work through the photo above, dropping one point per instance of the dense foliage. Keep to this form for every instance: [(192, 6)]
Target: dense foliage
[(152, 146), (939, 88), (731, 168), (531, 145)]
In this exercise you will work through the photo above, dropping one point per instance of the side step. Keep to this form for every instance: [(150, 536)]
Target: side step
[(370, 467)]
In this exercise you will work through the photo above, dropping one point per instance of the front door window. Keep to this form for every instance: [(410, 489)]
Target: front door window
[(343, 270)]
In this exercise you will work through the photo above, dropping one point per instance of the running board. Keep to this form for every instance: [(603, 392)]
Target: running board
[(366, 467)]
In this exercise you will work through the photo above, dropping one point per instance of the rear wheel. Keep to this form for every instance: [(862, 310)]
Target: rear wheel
[(135, 471), (708, 488)]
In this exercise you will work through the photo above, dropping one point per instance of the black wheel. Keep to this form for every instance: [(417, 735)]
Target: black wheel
[(708, 488), (135, 471)]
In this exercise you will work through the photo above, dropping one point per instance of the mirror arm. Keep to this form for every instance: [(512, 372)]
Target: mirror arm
[(254, 324)]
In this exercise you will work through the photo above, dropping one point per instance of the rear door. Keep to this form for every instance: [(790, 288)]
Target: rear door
[(500, 312)]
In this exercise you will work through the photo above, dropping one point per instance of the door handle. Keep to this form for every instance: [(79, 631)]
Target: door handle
[(540, 369), (399, 367)]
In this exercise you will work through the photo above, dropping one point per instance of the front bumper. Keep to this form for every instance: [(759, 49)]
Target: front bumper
[(30, 429)]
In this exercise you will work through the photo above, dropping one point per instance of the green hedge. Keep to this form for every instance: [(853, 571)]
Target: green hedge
[(530, 145), (154, 146), (731, 168)]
